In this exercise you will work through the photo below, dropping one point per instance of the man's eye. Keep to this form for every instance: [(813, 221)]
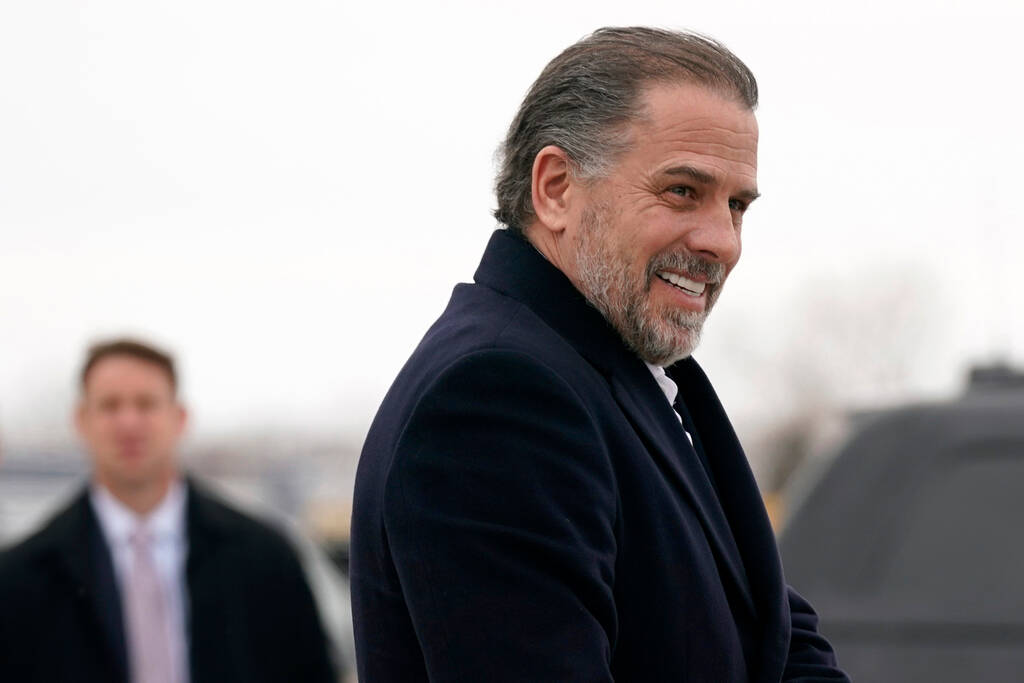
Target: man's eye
[(682, 190), (737, 205)]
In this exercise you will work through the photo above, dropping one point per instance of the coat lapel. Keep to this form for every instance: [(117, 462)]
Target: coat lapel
[(90, 575), (641, 400), (746, 515), (214, 624)]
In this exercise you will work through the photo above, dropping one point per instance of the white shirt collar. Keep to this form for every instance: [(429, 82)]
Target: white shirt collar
[(165, 522), (669, 388), (665, 383)]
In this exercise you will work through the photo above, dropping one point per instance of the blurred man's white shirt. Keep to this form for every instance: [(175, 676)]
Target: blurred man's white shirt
[(166, 523), (669, 388)]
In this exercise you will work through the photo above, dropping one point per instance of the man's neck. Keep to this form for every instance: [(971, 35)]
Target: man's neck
[(549, 246), (143, 498)]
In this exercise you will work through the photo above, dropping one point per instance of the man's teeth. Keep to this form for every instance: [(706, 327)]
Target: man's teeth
[(687, 285)]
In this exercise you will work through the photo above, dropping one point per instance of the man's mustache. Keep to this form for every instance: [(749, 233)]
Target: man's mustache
[(686, 263)]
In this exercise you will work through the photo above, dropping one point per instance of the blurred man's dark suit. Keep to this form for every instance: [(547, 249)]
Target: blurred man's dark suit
[(251, 614), (528, 508)]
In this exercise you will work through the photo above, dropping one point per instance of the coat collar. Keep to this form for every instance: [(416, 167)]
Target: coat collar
[(66, 533), (209, 529), (513, 267)]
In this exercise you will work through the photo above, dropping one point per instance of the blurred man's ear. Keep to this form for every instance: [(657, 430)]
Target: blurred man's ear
[(79, 416), (552, 188), (182, 416)]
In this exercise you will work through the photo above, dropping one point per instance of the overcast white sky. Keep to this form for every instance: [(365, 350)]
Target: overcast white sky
[(284, 193)]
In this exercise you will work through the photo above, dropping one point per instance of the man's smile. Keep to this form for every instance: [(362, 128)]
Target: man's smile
[(691, 287)]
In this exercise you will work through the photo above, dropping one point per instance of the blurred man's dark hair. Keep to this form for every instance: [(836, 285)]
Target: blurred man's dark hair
[(132, 348)]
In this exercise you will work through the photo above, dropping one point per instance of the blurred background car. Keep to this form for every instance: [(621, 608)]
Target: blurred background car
[(906, 542)]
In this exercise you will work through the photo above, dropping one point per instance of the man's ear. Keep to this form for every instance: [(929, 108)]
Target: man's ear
[(182, 417), (552, 187), (78, 418)]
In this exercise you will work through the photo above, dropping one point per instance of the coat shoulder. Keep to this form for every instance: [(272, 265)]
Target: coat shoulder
[(482, 323), (23, 558), (263, 536), (31, 570)]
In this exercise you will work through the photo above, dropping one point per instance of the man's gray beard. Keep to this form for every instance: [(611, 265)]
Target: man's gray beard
[(606, 282)]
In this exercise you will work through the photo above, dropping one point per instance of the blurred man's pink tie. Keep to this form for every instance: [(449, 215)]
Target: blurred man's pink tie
[(146, 612)]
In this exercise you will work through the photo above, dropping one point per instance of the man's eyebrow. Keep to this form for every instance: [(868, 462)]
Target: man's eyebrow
[(748, 195), (706, 178), (691, 172)]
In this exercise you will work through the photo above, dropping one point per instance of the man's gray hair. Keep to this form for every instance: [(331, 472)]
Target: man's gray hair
[(586, 96)]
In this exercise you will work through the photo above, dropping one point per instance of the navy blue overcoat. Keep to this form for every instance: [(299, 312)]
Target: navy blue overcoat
[(527, 508)]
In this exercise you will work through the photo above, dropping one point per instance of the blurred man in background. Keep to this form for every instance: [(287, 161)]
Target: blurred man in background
[(551, 490), (145, 577)]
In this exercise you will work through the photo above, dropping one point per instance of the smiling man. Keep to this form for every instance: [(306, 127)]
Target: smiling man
[(551, 490)]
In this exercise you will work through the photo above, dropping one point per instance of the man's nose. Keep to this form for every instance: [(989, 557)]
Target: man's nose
[(128, 417), (714, 235)]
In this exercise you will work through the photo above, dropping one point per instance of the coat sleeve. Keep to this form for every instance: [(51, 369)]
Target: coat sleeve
[(500, 512), (811, 658)]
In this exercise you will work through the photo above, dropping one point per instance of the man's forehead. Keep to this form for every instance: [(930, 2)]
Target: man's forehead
[(697, 130), (702, 112)]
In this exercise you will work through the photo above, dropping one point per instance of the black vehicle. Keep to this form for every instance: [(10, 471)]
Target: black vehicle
[(911, 544)]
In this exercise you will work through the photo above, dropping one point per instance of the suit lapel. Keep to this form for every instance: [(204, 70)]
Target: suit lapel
[(641, 400), (90, 575), (741, 502), (107, 597), (215, 634)]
